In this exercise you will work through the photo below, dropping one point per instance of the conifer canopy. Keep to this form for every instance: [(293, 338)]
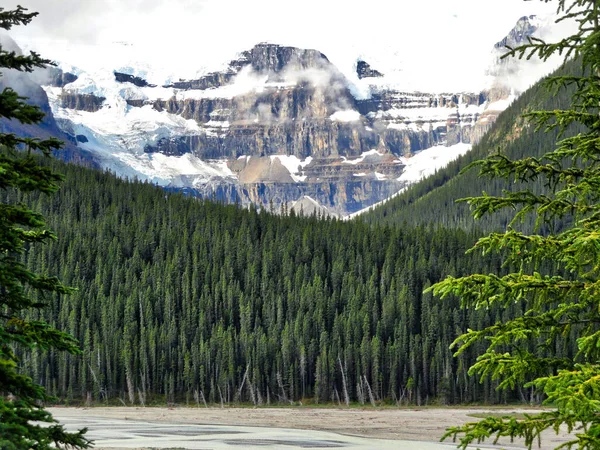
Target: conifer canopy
[(560, 301), (21, 290)]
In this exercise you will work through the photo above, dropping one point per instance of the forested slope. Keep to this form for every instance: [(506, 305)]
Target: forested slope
[(433, 200), (178, 295)]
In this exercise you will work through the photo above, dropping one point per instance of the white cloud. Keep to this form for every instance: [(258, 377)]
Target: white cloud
[(409, 41)]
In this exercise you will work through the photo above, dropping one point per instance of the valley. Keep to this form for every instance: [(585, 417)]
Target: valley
[(217, 239)]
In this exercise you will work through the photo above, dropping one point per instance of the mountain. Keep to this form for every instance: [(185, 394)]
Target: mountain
[(29, 85), (275, 126), (433, 199)]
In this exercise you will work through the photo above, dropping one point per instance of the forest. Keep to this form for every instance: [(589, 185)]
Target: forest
[(181, 300)]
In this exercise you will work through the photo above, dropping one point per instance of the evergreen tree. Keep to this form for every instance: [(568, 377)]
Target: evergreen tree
[(21, 290), (561, 301)]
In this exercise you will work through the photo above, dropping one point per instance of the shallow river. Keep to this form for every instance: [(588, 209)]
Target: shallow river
[(113, 433)]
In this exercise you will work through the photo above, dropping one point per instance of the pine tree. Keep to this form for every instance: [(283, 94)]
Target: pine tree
[(21, 290), (561, 300)]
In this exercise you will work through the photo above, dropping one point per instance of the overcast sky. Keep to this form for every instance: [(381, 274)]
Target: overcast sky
[(433, 32), (91, 20)]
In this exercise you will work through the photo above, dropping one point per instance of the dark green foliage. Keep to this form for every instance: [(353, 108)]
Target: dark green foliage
[(561, 300), (22, 290), (177, 295)]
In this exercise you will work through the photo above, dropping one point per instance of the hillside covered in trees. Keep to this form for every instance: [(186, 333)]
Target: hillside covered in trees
[(179, 299)]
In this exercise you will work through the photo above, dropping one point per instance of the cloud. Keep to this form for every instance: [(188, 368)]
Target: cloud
[(411, 41), (89, 20), (220, 22)]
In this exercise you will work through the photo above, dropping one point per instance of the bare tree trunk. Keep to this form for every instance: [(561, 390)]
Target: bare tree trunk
[(369, 391), (360, 392), (101, 390), (259, 396), (130, 388), (197, 398), (337, 396), (203, 398), (303, 371), (280, 383), (345, 387), (252, 394), (239, 394), (142, 398), (143, 378), (220, 395)]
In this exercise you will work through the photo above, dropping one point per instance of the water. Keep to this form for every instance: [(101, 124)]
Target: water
[(138, 434)]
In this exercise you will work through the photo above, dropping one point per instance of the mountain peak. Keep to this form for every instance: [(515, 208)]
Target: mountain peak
[(364, 70), (268, 57), (525, 27)]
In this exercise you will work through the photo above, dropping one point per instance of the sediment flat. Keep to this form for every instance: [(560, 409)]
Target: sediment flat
[(418, 424)]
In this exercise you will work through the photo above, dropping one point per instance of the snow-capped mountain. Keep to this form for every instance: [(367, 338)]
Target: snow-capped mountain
[(275, 125)]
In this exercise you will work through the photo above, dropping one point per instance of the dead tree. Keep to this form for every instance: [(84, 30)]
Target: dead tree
[(344, 386)]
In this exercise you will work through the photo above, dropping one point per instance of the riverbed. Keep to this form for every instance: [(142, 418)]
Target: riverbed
[(275, 428)]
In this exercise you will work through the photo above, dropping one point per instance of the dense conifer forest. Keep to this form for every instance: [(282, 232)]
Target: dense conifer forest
[(187, 301), (181, 300)]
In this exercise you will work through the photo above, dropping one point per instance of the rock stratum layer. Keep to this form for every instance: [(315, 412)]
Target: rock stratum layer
[(279, 126)]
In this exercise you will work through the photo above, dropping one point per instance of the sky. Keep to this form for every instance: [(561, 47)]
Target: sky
[(395, 36)]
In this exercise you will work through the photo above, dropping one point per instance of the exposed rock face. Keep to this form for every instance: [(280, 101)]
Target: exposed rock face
[(81, 102), (275, 58), (505, 68), (337, 197), (364, 70), (262, 58), (137, 81), (212, 80), (299, 138), (58, 78), (524, 29), (354, 195), (307, 206), (281, 126)]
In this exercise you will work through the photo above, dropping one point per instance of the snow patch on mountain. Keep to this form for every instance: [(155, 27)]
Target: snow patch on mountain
[(293, 164), (501, 105), (419, 166), (345, 116), (117, 135), (362, 157), (427, 162)]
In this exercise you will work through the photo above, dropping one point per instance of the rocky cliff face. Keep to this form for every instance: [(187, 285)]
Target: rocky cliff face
[(57, 78), (136, 81), (364, 70), (525, 28), (278, 125), (81, 102)]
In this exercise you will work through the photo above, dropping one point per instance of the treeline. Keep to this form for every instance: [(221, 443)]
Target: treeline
[(186, 300)]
